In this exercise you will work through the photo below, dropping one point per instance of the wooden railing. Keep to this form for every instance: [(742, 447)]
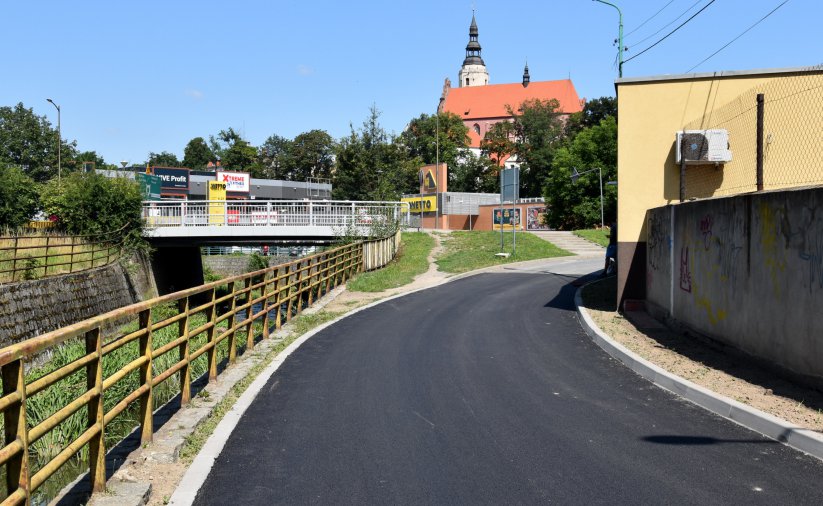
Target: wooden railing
[(37, 256), (172, 333)]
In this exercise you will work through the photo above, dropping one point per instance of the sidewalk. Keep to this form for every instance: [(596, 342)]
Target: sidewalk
[(707, 373)]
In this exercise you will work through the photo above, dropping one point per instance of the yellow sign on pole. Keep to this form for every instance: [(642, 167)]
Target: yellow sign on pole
[(217, 210), (426, 204)]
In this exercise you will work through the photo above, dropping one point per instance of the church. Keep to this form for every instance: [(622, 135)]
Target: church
[(480, 104)]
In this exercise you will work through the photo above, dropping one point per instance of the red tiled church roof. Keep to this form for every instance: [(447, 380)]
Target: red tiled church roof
[(490, 101)]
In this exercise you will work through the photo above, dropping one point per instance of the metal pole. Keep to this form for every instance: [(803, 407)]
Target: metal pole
[(437, 172), (682, 178), (602, 221), (59, 140), (619, 38), (760, 111)]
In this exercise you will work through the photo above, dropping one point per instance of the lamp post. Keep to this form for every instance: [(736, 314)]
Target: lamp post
[(576, 175), (59, 140), (619, 38)]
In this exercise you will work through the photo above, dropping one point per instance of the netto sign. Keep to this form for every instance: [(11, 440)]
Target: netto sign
[(172, 178), (428, 204)]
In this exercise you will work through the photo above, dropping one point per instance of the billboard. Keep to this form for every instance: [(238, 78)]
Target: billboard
[(149, 186), (506, 218), (217, 210), (236, 182), (536, 218), (172, 178)]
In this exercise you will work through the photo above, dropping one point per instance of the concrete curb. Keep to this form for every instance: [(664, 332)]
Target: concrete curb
[(805, 440)]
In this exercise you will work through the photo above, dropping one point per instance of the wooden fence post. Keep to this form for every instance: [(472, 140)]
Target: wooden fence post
[(94, 382), (147, 399), (184, 350), (15, 428), (212, 334)]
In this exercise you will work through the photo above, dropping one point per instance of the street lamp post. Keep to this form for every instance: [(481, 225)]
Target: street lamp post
[(576, 175), (59, 140), (619, 38)]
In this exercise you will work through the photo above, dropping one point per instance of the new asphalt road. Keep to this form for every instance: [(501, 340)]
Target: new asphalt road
[(487, 391)]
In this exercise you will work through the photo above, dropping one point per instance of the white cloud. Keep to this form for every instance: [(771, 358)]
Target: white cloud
[(194, 94), (304, 70)]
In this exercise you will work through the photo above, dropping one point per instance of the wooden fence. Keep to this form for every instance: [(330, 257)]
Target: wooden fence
[(169, 335)]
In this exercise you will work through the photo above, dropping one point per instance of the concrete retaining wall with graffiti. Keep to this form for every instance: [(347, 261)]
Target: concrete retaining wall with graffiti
[(745, 270)]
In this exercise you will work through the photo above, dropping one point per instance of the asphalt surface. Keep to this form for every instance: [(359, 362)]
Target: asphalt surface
[(487, 391)]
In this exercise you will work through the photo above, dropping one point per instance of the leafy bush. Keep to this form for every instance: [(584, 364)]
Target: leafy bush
[(18, 197), (91, 204)]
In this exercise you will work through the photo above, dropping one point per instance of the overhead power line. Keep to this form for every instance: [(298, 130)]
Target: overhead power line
[(742, 34), (670, 23), (650, 18), (671, 32)]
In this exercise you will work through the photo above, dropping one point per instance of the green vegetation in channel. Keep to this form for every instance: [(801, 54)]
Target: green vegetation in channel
[(411, 261), (467, 251)]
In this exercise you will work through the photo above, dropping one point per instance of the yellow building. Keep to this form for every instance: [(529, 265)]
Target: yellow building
[(653, 109)]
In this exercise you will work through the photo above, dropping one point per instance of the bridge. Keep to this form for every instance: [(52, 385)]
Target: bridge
[(170, 223)]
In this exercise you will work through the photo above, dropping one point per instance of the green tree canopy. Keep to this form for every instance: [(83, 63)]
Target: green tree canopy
[(88, 156), (18, 197), (538, 132), (197, 154), (421, 138), (234, 152), (163, 159), (593, 111), (29, 142), (577, 205), (311, 154), (273, 158)]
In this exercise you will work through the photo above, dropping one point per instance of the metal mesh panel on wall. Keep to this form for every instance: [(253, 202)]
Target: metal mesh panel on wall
[(792, 138)]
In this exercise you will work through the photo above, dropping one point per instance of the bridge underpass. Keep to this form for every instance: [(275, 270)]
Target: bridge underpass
[(178, 229)]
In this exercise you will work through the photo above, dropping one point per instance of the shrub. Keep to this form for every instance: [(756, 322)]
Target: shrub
[(18, 197)]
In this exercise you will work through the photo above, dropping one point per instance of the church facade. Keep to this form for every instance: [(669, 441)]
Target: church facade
[(480, 104)]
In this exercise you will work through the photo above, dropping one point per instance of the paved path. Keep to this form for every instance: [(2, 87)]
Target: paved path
[(487, 391), (572, 243)]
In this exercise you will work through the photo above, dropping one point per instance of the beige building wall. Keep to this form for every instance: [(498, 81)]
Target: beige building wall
[(653, 109)]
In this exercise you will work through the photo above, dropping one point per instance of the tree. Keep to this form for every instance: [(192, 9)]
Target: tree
[(87, 156), (89, 203), (373, 166), (498, 143), (577, 205), (273, 158), (538, 132), (421, 138), (474, 174), (18, 197), (234, 152), (163, 159), (311, 155), (593, 111), (29, 142), (197, 154)]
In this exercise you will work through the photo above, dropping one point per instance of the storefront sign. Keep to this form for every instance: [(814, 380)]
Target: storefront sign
[(236, 182), (172, 178), (217, 210), (427, 204), (149, 186)]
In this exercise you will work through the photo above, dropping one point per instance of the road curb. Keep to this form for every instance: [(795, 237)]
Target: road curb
[(805, 440)]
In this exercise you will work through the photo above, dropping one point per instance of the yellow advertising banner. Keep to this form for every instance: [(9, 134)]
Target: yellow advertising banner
[(427, 204), (217, 210)]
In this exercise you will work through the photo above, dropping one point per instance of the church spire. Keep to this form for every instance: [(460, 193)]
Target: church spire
[(526, 77), (473, 72)]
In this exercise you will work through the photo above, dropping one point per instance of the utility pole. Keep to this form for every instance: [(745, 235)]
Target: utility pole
[(619, 38), (59, 140)]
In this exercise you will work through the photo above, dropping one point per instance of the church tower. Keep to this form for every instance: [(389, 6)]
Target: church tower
[(473, 72)]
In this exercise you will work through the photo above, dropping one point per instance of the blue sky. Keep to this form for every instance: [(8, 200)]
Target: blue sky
[(134, 77)]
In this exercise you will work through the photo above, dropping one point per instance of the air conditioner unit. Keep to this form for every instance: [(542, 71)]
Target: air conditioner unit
[(703, 147)]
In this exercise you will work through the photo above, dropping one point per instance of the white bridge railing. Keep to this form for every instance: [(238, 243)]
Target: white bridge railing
[(277, 213)]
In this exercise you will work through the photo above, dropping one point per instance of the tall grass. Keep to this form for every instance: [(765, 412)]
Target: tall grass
[(411, 261)]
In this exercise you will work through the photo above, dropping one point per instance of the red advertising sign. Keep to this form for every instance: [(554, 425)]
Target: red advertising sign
[(238, 182)]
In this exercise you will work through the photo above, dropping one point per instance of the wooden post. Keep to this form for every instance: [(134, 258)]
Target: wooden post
[(14, 428), (278, 300), (184, 350), (268, 280), (249, 325), (147, 399), (211, 335), (94, 382), (230, 323)]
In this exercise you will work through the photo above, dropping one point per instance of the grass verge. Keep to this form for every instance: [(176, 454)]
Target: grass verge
[(596, 235), (467, 251), (300, 325), (411, 261)]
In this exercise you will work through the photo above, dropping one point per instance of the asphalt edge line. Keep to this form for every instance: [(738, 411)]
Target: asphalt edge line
[(780, 430), (194, 477)]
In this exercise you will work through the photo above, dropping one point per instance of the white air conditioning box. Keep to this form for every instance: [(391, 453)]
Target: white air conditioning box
[(703, 147)]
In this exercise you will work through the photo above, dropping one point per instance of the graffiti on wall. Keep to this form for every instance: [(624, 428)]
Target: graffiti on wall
[(657, 240), (685, 270), (706, 230)]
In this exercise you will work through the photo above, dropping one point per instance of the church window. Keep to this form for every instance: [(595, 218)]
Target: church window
[(476, 129), (467, 81)]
